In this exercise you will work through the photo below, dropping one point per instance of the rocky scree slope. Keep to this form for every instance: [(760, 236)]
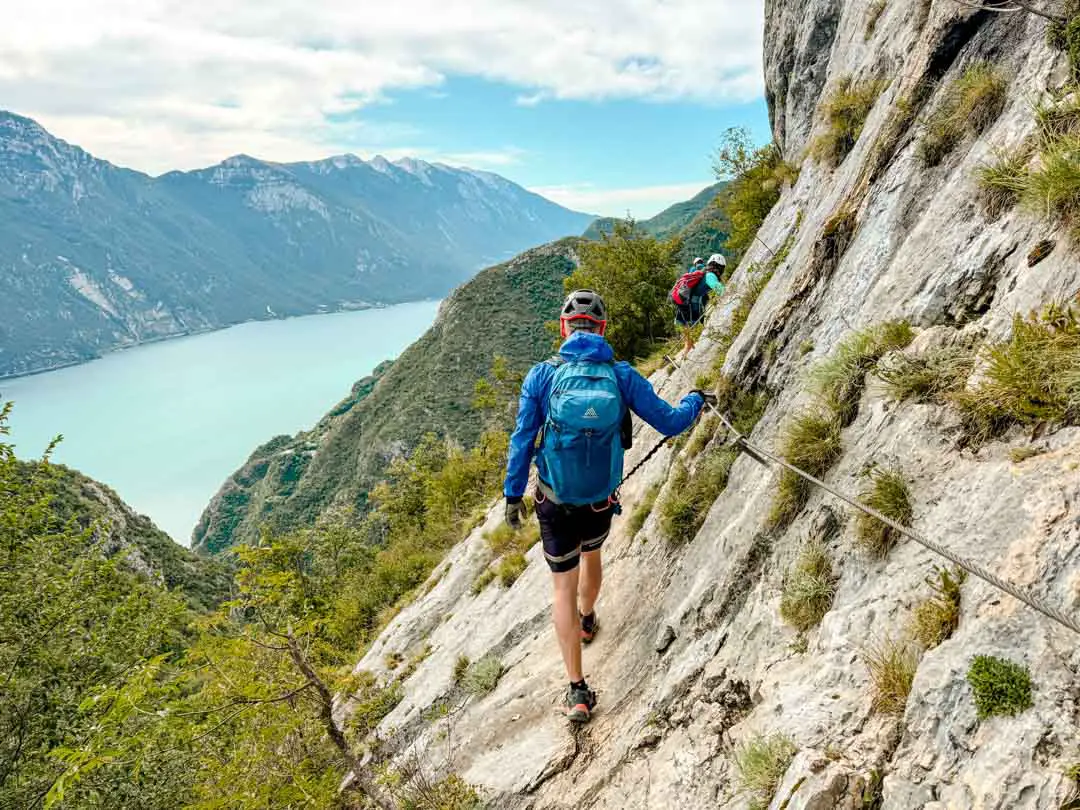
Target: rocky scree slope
[(93, 257), (694, 661), (290, 481)]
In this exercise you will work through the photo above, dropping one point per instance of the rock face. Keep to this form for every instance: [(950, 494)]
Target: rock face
[(93, 257), (672, 715)]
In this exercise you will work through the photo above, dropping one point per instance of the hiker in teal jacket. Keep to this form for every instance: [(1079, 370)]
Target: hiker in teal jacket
[(690, 313), (580, 467)]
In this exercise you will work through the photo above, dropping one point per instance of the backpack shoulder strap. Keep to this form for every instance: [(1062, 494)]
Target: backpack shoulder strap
[(555, 361)]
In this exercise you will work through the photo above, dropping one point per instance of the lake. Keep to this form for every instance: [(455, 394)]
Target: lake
[(165, 424)]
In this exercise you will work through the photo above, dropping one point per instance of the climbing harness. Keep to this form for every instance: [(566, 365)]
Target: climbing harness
[(763, 457)]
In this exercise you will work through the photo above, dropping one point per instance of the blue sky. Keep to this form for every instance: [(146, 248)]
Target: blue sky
[(603, 107)]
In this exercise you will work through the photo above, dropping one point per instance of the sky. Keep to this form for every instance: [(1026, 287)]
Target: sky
[(607, 107)]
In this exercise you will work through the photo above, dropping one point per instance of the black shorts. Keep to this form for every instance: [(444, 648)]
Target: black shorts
[(566, 531), (688, 314)]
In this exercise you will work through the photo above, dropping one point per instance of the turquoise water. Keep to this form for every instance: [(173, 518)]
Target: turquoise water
[(165, 424)]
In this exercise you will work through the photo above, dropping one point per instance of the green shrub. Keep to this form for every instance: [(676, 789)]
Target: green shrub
[(690, 496), (809, 587), (461, 666), (937, 617), (1053, 186), (1004, 180), (873, 14), (371, 703), (811, 442), (839, 380), (487, 576), (1029, 379), (761, 763), (892, 665), (449, 793), (846, 110), (483, 675), (1018, 455), (756, 175), (511, 567), (929, 377), (1000, 686), (888, 493), (643, 510), (634, 273), (1057, 118), (971, 104)]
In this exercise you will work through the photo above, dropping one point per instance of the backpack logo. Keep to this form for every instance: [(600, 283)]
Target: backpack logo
[(591, 414)]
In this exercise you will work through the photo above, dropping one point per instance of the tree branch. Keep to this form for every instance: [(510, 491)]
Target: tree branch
[(1010, 7)]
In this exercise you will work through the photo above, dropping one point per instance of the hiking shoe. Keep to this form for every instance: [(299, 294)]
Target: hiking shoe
[(589, 627), (580, 704)]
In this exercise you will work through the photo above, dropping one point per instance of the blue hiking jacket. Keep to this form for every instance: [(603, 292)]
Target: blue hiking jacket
[(636, 391)]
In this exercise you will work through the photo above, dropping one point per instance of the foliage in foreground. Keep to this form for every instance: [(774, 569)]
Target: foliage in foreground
[(757, 176), (1001, 687), (634, 272), (809, 588), (761, 763), (691, 494), (810, 441)]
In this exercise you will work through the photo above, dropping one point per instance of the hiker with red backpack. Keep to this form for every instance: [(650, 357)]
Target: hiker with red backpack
[(690, 295), (578, 403)]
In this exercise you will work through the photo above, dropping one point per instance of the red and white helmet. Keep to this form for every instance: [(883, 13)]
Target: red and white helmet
[(583, 305)]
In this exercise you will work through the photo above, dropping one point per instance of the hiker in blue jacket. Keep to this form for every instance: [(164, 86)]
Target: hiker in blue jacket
[(691, 294), (578, 403)]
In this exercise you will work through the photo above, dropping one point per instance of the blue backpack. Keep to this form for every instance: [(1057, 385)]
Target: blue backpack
[(581, 451)]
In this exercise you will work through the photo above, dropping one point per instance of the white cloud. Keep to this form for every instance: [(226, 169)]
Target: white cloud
[(642, 202), (161, 84)]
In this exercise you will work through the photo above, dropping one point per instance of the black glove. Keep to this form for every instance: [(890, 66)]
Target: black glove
[(709, 398), (515, 513)]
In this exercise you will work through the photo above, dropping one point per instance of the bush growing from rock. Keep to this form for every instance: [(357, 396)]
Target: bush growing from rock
[(1032, 377), (929, 377), (809, 587), (511, 567), (892, 665), (971, 104), (937, 617), (888, 493), (483, 675), (846, 110), (1003, 180), (811, 442), (643, 510), (761, 763), (1001, 687)]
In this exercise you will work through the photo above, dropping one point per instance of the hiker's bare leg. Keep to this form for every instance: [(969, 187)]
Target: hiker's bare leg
[(567, 623), (592, 577), (688, 340)]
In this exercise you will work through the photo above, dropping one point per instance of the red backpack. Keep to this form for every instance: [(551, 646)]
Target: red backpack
[(680, 293)]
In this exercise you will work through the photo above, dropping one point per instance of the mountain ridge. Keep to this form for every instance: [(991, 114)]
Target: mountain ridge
[(98, 257)]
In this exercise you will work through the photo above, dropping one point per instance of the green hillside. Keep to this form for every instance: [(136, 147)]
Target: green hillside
[(290, 482), (668, 222)]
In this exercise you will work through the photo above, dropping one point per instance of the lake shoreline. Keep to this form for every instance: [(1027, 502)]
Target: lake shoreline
[(359, 306)]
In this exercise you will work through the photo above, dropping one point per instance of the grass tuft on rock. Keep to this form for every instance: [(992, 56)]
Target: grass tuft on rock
[(461, 666), (970, 105), (1053, 186), (1004, 180), (1001, 687), (888, 493), (846, 110), (811, 442), (1031, 378), (761, 763), (929, 377), (486, 577), (511, 567), (839, 380), (482, 676), (937, 617), (643, 510), (691, 495), (892, 664), (873, 15), (809, 588)]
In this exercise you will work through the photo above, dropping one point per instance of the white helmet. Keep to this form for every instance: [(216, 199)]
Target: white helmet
[(717, 259)]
